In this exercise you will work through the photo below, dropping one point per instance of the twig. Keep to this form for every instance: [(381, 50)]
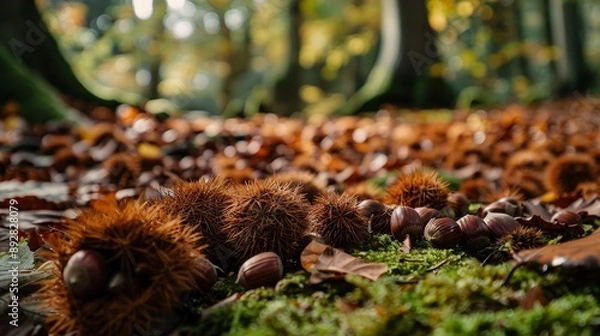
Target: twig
[(438, 265)]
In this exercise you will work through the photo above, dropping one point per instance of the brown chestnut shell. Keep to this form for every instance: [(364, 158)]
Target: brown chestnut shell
[(475, 233), (443, 232), (566, 217), (427, 214), (86, 274), (508, 205), (264, 269), (406, 221), (208, 276), (500, 224), (378, 214), (459, 203)]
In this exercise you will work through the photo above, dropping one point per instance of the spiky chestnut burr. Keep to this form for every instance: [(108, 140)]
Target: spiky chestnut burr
[(364, 191), (266, 216), (156, 257), (308, 184), (421, 188), (201, 204), (123, 169), (338, 220), (569, 170), (522, 238), (476, 189)]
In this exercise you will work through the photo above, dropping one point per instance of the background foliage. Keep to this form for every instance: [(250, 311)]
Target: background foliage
[(244, 56)]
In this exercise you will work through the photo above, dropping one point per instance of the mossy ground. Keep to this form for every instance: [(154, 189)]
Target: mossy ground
[(428, 291)]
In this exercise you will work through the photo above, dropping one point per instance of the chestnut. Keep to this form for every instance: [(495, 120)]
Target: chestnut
[(263, 269), (508, 205), (500, 224), (566, 217), (85, 274), (427, 214), (476, 234), (443, 232), (378, 214), (459, 203), (406, 221), (208, 275)]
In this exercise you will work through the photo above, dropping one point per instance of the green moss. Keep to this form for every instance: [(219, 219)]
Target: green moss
[(568, 315), (428, 291)]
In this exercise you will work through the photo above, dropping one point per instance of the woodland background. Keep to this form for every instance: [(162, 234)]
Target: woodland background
[(239, 57)]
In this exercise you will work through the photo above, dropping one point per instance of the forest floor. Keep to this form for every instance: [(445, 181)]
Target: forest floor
[(545, 156)]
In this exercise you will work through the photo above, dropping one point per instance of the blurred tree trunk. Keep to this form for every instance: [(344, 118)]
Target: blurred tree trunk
[(28, 41), (286, 92), (567, 30), (237, 55), (38, 101), (407, 49)]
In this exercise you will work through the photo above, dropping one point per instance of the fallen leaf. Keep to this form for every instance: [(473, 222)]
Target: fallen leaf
[(537, 209), (588, 209), (347, 306), (225, 302), (310, 255), (33, 225), (534, 295), (579, 254), (407, 244), (33, 195), (540, 217), (325, 262), (583, 252), (547, 226)]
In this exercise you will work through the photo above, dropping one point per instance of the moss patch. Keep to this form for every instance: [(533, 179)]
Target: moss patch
[(428, 291)]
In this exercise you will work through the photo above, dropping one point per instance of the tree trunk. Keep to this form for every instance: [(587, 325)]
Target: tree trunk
[(407, 49), (28, 41), (286, 93)]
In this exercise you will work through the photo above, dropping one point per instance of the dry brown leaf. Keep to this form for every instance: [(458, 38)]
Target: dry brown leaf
[(589, 209), (311, 254), (325, 263), (347, 306), (534, 295), (581, 254), (407, 244)]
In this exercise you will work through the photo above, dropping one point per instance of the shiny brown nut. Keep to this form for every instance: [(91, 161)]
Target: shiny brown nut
[(406, 221), (500, 224), (459, 203), (208, 275), (378, 214), (264, 269), (566, 217), (443, 232), (85, 274), (427, 214), (475, 233)]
